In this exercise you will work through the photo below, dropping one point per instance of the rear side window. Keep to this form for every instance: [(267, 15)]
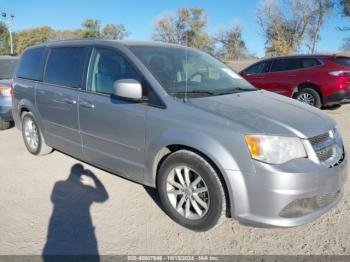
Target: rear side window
[(285, 64), (31, 64), (310, 62), (259, 68), (65, 66), (341, 60)]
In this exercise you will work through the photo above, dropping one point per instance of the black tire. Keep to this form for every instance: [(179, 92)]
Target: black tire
[(42, 148), (216, 211), (4, 125), (312, 93)]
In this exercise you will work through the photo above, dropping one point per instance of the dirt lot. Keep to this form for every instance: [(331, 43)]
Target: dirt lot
[(124, 218)]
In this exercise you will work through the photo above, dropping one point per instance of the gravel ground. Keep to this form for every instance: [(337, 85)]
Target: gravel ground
[(122, 217)]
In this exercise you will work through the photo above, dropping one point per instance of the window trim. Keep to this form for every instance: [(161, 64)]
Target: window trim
[(43, 68), (257, 63), (306, 68), (159, 103), (82, 77)]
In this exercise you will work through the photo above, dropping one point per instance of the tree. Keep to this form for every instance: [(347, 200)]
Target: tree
[(186, 27), (232, 44), (284, 27), (66, 34), (4, 40), (91, 28), (346, 45), (29, 37), (113, 31), (345, 11), (320, 10)]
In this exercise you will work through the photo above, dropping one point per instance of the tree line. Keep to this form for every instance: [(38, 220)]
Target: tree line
[(286, 25)]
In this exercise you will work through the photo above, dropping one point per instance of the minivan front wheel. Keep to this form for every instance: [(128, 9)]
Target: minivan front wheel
[(309, 96), (32, 136), (191, 191)]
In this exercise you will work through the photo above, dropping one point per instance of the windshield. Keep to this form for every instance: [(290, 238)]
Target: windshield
[(189, 72), (7, 67)]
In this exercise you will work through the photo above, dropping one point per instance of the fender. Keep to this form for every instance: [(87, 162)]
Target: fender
[(211, 148)]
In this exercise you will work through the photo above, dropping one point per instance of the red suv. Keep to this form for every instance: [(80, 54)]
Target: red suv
[(318, 80)]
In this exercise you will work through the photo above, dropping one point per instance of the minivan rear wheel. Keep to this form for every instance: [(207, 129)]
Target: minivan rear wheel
[(4, 124), (191, 191), (309, 96), (32, 136)]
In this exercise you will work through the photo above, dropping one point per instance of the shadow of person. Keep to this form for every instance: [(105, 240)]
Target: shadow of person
[(70, 230)]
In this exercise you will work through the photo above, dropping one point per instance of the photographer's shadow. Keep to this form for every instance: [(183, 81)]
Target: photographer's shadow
[(71, 231)]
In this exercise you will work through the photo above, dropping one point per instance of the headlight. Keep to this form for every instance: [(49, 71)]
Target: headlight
[(275, 149)]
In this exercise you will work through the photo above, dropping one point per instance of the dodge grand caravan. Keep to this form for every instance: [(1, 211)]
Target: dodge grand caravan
[(179, 120)]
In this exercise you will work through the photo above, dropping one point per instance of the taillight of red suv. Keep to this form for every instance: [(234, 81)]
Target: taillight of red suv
[(343, 78)]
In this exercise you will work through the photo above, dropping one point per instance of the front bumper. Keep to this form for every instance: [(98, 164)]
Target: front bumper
[(340, 97), (6, 108), (263, 195)]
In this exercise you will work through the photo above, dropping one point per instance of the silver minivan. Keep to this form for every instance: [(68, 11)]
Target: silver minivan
[(179, 120)]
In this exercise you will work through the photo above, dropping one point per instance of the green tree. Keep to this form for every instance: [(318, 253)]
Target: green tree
[(186, 27), (4, 40), (33, 36), (91, 28), (114, 31)]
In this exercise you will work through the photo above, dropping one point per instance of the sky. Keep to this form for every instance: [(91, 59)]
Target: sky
[(139, 17)]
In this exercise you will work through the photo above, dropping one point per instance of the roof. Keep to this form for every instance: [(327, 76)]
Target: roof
[(109, 42)]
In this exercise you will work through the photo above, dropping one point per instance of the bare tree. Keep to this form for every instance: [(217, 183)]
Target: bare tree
[(320, 10), (232, 44), (284, 27)]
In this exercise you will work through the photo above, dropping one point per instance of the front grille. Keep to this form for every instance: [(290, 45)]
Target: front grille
[(319, 139), (325, 154), (327, 150)]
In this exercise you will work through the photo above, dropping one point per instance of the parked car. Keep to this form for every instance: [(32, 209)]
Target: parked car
[(179, 120), (317, 80), (7, 69)]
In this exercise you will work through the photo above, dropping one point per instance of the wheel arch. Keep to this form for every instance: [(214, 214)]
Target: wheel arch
[(308, 85)]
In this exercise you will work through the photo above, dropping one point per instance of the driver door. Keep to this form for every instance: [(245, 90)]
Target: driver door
[(112, 129)]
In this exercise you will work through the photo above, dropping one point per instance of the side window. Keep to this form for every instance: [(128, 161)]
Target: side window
[(65, 66), (285, 64), (106, 67), (310, 62), (259, 68), (31, 64)]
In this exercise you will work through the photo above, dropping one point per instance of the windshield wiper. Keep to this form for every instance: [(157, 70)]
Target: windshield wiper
[(193, 92), (235, 90)]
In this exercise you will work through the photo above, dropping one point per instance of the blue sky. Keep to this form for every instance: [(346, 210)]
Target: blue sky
[(139, 16)]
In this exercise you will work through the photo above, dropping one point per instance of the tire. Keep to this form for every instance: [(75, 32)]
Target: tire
[(4, 124), (214, 197), (36, 145), (309, 96)]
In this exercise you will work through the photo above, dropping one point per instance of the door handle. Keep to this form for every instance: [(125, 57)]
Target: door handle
[(70, 101), (86, 104), (65, 101)]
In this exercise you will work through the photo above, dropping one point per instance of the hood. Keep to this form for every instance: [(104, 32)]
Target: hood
[(267, 113)]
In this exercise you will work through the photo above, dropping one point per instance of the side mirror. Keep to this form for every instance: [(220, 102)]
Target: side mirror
[(128, 88)]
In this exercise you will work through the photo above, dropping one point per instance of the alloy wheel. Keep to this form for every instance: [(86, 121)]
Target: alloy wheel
[(188, 193), (306, 98), (31, 134)]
